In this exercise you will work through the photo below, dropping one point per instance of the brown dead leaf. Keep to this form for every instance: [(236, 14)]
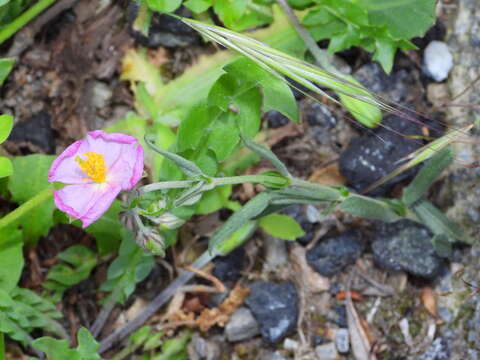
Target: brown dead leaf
[(359, 333), (310, 279), (276, 135), (328, 175), (429, 300), (356, 296), (219, 316)]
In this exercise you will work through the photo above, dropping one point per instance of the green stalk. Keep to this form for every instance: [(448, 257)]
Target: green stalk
[(28, 15), (26, 207), (2, 346)]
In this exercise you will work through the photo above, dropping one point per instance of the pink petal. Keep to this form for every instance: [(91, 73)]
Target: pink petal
[(65, 169), (128, 169), (86, 202), (111, 146)]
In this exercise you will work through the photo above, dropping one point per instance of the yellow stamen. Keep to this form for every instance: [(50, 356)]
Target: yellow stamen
[(93, 166)]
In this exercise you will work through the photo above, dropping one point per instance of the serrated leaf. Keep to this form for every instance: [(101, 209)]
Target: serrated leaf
[(281, 226), (28, 179), (6, 125), (362, 206)]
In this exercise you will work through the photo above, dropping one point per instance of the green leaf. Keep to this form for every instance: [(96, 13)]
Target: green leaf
[(281, 226), (6, 125), (218, 242), (403, 18), (131, 266), (198, 6), (193, 128), (277, 94), (442, 245), (87, 345), (6, 66), (385, 50), (214, 200), (59, 349), (6, 167), (164, 5), (80, 262), (362, 206), (224, 136), (22, 311), (11, 253), (267, 154), (437, 222), (107, 230), (427, 175), (28, 179)]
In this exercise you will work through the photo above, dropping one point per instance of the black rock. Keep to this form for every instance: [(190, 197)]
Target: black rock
[(228, 268), (333, 254), (297, 212), (164, 30), (341, 316), (275, 306), (37, 131), (439, 350), (395, 87), (372, 156), (320, 121), (406, 245), (275, 119)]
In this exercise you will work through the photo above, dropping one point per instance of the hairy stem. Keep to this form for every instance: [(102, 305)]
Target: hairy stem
[(26, 207)]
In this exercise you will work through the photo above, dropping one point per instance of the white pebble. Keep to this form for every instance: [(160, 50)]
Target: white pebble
[(438, 60)]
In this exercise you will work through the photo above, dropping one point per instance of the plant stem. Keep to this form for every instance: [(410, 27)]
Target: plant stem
[(23, 19), (233, 180), (26, 207), (2, 346), (320, 55), (156, 304)]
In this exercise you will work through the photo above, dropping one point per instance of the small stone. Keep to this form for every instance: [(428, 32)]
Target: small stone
[(276, 253), (37, 131), (298, 212), (333, 254), (275, 307), (341, 315), (290, 344), (437, 60), (164, 29), (204, 349), (406, 245), (241, 326), (228, 268), (374, 155), (269, 355), (437, 351), (342, 341), (101, 95), (438, 94), (327, 351), (312, 213), (275, 119)]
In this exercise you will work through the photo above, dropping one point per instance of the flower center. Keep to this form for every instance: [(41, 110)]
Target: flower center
[(93, 166)]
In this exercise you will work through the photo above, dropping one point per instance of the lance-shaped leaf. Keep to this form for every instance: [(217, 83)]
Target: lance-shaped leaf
[(369, 208), (437, 222), (267, 154), (427, 175), (189, 168)]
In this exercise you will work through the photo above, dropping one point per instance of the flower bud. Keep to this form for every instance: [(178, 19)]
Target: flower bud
[(151, 240)]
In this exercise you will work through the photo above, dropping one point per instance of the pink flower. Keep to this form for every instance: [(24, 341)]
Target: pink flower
[(95, 170)]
